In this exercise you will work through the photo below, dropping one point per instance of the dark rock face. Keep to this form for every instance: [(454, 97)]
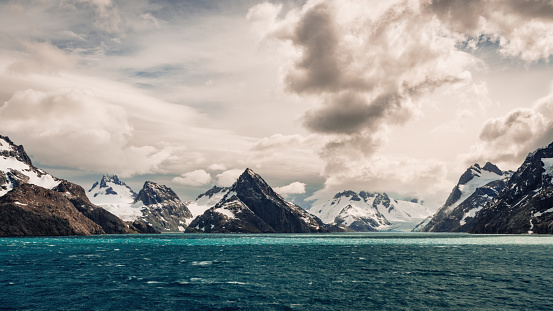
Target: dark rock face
[(459, 216), (30, 210), (153, 193), (257, 208), (138, 226), (110, 223), (525, 204), (163, 208), (455, 220), (231, 216)]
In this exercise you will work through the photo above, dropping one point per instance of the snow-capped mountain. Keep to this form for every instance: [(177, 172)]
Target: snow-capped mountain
[(207, 200), (525, 205), (251, 205), (16, 168), (366, 211), (37, 203), (162, 208), (115, 196), (476, 187)]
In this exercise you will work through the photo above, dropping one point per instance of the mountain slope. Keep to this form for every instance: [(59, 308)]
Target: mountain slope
[(162, 208), (16, 168), (251, 205), (365, 211), (30, 210), (476, 187), (116, 197), (207, 200), (525, 204)]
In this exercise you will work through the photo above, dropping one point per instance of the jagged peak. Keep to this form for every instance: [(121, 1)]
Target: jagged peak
[(10, 149), (112, 178), (152, 193), (345, 193), (469, 174), (212, 191), (490, 167)]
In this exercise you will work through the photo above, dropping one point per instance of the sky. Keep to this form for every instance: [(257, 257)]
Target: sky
[(317, 97)]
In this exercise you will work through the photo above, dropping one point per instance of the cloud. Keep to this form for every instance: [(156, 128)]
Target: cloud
[(195, 178), (367, 65), (108, 18), (227, 178), (75, 128), (293, 188), (508, 139), (217, 167), (399, 175), (524, 29), (42, 58)]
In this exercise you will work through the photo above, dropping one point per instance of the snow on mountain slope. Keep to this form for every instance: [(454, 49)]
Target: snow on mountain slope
[(162, 208), (116, 197), (251, 205), (524, 203), (16, 168), (207, 200), (375, 210), (476, 187)]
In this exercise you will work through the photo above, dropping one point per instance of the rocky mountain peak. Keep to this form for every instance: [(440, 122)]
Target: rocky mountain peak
[(492, 168), (348, 193), (9, 149), (250, 184), (110, 179), (469, 174), (153, 193)]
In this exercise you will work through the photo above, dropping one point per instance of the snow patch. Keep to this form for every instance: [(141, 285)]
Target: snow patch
[(226, 212), (548, 166)]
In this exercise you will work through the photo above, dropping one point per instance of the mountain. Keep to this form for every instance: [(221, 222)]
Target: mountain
[(207, 200), (366, 211), (251, 205), (30, 210), (33, 202), (16, 168), (476, 187), (525, 205), (116, 197), (162, 208)]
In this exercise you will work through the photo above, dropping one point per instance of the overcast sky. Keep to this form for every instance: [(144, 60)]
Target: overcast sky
[(315, 96)]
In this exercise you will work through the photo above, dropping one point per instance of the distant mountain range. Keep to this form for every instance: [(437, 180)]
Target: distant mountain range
[(366, 211), (485, 200)]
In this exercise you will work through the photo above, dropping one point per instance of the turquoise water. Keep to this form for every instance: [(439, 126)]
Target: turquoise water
[(369, 271)]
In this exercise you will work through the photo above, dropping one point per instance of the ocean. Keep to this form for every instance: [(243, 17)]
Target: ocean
[(346, 271)]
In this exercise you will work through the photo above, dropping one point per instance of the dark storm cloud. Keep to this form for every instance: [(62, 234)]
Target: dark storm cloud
[(350, 112), (318, 70)]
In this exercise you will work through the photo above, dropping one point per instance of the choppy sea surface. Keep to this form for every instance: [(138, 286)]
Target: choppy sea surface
[(353, 271)]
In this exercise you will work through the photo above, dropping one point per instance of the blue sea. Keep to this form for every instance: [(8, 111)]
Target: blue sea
[(353, 271)]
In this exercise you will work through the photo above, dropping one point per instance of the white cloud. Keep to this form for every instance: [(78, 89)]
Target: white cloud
[(227, 178), (524, 28), (195, 178), (73, 127), (293, 188), (400, 175), (508, 139), (217, 167), (42, 58)]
